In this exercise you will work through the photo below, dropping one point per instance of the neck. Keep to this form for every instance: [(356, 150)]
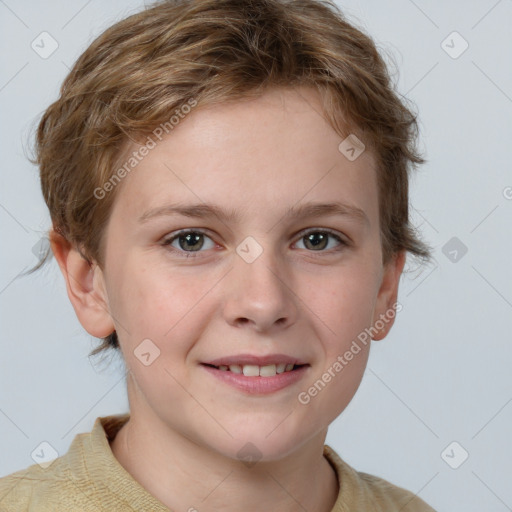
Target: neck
[(185, 475)]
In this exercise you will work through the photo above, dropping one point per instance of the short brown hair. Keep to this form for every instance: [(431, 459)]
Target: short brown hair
[(140, 70)]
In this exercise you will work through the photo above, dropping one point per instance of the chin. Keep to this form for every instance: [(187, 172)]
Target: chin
[(270, 441)]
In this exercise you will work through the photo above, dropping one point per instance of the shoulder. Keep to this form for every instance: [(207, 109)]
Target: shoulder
[(13, 491), (388, 496), (68, 482), (364, 492), (35, 487)]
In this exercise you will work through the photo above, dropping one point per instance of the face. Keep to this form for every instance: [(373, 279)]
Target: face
[(256, 280)]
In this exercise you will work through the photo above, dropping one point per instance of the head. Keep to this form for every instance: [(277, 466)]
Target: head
[(245, 106)]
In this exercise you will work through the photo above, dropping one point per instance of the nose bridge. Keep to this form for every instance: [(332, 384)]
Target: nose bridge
[(258, 268), (259, 291)]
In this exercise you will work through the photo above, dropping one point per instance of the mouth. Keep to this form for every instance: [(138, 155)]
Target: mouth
[(257, 374), (257, 380), (253, 370)]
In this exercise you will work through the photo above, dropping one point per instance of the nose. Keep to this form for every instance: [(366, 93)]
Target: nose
[(259, 294)]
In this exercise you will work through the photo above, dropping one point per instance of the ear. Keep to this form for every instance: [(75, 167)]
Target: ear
[(85, 286), (387, 296)]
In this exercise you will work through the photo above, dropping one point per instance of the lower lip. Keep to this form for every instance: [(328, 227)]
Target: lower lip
[(258, 385)]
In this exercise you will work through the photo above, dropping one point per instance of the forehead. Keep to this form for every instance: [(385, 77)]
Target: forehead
[(259, 157)]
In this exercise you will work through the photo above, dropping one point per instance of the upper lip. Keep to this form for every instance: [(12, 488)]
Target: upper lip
[(243, 359)]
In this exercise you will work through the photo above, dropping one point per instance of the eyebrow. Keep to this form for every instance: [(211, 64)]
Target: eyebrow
[(206, 210)]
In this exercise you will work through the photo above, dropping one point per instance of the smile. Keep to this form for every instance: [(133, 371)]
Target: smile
[(258, 380), (252, 370)]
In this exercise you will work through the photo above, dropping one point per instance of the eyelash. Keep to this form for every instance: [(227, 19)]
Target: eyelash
[(194, 254)]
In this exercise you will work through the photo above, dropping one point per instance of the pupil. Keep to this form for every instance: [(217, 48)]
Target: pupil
[(190, 237), (320, 237), (192, 240)]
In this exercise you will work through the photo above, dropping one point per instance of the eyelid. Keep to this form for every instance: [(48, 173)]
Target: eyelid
[(342, 239), (336, 234), (171, 237)]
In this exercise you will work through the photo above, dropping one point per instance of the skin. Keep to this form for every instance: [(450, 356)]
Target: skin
[(259, 157)]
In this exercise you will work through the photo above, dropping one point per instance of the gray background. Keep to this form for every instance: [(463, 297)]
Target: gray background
[(442, 375)]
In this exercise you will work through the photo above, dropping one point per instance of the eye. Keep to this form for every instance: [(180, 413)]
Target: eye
[(188, 241), (317, 240)]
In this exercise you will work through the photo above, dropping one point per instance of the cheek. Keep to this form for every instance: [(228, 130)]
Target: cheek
[(342, 302), (169, 308), (145, 293), (345, 306)]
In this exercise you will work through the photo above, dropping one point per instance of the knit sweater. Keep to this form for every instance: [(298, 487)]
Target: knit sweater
[(88, 478)]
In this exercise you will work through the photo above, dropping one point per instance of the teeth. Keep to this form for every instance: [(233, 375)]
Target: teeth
[(268, 371), (235, 368), (252, 370)]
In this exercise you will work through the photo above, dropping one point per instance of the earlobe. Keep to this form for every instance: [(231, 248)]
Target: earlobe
[(384, 314), (85, 287)]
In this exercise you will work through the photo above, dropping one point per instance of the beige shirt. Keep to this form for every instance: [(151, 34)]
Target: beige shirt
[(89, 478)]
